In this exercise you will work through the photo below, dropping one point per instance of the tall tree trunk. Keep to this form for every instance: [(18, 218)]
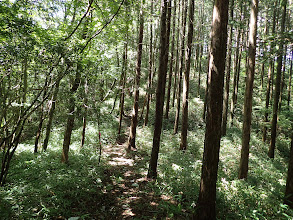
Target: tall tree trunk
[(271, 152), (71, 115), (122, 84), (160, 93), (237, 62), (134, 117), (207, 195), (269, 78), (184, 12), (228, 74), (184, 128), (177, 55), (146, 119), (171, 65), (248, 91)]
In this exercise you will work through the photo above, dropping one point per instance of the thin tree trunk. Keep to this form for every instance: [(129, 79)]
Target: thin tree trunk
[(290, 81), (71, 115), (237, 62), (42, 118), (289, 183), (146, 119), (84, 120), (282, 83), (177, 56), (51, 114), (228, 74), (122, 84), (171, 66), (184, 11), (248, 91), (207, 195), (183, 143), (269, 78), (160, 93), (271, 152), (134, 117)]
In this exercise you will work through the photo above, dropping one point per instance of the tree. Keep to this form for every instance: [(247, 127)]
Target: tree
[(228, 74), (160, 92), (248, 91), (207, 194), (184, 128), (289, 183), (271, 152), (134, 116), (171, 64), (71, 115), (182, 52)]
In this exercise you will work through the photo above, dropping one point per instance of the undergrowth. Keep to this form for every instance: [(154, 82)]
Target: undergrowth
[(40, 187)]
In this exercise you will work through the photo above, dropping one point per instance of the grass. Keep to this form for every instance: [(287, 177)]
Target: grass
[(40, 187)]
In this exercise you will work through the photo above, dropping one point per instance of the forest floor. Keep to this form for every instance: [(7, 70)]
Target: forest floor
[(131, 193), (113, 185)]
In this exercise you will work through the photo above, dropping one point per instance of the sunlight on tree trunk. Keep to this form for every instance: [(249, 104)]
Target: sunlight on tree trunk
[(206, 206)]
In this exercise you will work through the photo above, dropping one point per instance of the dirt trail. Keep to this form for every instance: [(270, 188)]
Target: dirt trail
[(128, 192)]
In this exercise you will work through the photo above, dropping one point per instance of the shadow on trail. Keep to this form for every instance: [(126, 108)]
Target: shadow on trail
[(125, 180)]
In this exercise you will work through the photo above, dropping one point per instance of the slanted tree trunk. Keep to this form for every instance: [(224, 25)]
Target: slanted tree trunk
[(51, 114), (134, 116), (228, 74), (160, 93), (42, 118), (271, 152), (248, 91), (207, 195), (184, 128), (71, 116), (184, 12)]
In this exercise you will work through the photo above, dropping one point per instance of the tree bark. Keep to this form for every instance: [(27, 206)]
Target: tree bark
[(290, 81), (184, 11), (207, 195), (248, 91), (122, 84), (146, 119), (134, 116), (70, 117), (171, 66), (184, 128), (269, 79), (289, 183), (271, 152), (228, 74), (160, 93), (51, 115), (84, 120)]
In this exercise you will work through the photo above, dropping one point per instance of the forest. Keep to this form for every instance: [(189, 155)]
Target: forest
[(146, 109)]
